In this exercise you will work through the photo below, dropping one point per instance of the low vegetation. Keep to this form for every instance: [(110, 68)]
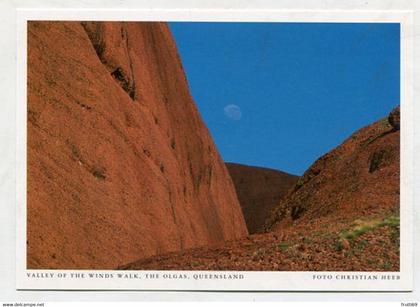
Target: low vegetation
[(360, 227)]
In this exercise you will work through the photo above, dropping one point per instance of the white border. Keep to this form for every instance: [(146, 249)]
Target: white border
[(261, 281)]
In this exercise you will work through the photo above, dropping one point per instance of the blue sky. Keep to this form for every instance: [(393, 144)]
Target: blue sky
[(280, 95)]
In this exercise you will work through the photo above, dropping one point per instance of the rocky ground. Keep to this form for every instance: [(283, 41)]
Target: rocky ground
[(324, 245)]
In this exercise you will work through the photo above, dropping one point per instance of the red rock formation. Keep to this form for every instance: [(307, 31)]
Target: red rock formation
[(358, 178), (342, 215), (120, 164), (259, 191)]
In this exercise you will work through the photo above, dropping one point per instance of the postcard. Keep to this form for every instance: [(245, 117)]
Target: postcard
[(215, 150)]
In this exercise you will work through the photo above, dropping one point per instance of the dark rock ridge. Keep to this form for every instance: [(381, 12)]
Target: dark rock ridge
[(120, 163), (259, 191), (394, 118)]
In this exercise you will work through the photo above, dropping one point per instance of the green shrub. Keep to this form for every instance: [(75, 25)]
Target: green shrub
[(283, 246), (361, 227)]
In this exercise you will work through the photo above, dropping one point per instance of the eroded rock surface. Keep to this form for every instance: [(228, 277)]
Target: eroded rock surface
[(120, 163)]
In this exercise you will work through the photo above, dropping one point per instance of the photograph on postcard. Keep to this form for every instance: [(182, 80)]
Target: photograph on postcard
[(282, 153)]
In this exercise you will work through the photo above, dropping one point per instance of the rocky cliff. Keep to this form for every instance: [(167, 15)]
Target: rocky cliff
[(259, 191), (120, 164)]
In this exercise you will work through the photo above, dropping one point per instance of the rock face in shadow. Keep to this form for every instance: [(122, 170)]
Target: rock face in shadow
[(120, 163), (259, 191)]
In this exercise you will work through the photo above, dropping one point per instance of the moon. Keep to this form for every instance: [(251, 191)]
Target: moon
[(233, 112)]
